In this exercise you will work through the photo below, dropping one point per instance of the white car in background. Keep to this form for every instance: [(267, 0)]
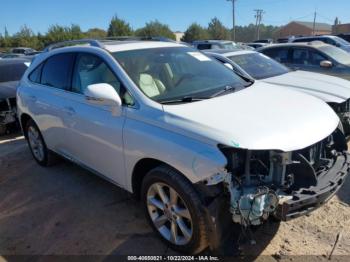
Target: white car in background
[(195, 141), (333, 90)]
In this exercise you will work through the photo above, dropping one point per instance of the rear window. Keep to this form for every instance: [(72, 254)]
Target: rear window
[(12, 72), (203, 46), (57, 71)]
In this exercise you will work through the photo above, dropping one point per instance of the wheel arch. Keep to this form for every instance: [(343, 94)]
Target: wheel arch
[(24, 118), (141, 168)]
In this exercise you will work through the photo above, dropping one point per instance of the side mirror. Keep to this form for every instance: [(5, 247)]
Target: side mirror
[(326, 64), (104, 94), (228, 66)]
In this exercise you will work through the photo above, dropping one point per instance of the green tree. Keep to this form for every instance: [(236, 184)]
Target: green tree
[(155, 28), (57, 33), (96, 33), (217, 30), (75, 32), (25, 37), (119, 27), (195, 32)]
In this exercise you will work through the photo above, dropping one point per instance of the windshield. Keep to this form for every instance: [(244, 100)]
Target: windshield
[(259, 66), (172, 73), (341, 40), (337, 54), (229, 46)]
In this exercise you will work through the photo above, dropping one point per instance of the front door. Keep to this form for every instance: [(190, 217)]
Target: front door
[(95, 136)]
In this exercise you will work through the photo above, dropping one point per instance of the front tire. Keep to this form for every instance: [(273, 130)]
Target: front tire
[(37, 145), (174, 210)]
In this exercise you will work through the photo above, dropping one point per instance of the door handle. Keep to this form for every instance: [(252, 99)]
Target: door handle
[(69, 110)]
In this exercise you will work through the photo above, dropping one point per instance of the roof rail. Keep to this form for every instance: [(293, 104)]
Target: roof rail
[(91, 42), (137, 38)]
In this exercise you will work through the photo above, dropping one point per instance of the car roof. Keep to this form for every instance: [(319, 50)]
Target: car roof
[(118, 46), (315, 36), (227, 53), (211, 41), (314, 44)]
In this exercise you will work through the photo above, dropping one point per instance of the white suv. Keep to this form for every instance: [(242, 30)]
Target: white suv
[(196, 142)]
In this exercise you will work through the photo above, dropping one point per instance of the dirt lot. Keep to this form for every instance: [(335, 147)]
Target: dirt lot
[(66, 210)]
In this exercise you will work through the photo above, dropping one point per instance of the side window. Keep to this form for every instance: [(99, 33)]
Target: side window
[(57, 70), (316, 58), (35, 76), (279, 54), (328, 41), (90, 69), (204, 46), (300, 56)]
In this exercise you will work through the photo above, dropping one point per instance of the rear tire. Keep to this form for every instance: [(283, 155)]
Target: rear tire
[(174, 210), (42, 155)]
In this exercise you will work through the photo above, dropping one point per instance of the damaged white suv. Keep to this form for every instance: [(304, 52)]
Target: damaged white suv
[(195, 141)]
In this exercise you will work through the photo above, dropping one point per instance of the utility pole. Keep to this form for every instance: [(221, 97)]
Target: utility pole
[(233, 20), (258, 17), (314, 25)]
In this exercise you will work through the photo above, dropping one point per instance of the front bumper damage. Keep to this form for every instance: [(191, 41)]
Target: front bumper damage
[(263, 184), (305, 201)]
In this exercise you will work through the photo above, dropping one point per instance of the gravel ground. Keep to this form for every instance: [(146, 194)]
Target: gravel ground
[(65, 210)]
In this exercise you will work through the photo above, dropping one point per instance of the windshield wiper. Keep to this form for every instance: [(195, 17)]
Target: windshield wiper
[(226, 89), (185, 99)]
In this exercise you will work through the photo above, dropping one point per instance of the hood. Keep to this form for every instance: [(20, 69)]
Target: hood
[(261, 117), (328, 88), (8, 89)]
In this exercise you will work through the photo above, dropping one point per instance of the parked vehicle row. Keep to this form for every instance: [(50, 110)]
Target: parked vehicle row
[(197, 141), (11, 71)]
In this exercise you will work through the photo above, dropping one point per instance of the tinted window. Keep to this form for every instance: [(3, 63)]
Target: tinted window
[(12, 72), (90, 69), (300, 56), (57, 71), (279, 54), (316, 57), (304, 40), (204, 46), (35, 76), (327, 41)]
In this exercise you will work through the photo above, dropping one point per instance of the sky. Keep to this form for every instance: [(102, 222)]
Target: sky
[(178, 14)]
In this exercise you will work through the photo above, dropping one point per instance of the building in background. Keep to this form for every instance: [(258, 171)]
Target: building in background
[(178, 35), (341, 29), (299, 28)]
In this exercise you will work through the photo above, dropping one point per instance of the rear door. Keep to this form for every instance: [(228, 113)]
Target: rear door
[(46, 98), (281, 55)]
